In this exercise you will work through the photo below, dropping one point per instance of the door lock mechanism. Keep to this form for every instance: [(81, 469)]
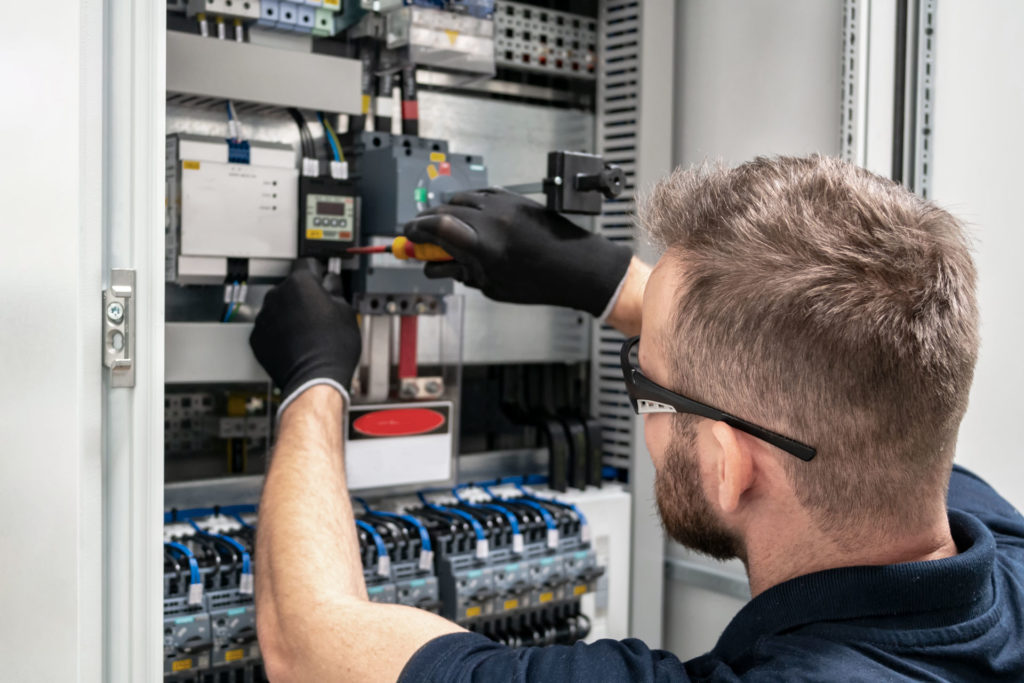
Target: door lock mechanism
[(119, 327)]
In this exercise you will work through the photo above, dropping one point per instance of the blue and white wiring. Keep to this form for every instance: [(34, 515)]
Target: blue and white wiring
[(426, 549), (195, 586), (235, 295), (584, 526), (549, 520), (245, 582), (234, 125), (518, 545), (482, 545), (383, 559)]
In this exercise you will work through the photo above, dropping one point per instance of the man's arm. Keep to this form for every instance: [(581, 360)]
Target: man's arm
[(315, 621), (313, 618), (625, 315)]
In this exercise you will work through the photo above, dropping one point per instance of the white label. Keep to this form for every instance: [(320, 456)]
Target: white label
[(552, 538), (517, 543), (426, 560), (339, 170), (384, 565), (245, 584), (585, 533), (482, 548), (228, 291), (195, 593), (310, 167), (243, 292)]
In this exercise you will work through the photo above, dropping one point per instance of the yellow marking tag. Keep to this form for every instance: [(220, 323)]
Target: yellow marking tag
[(234, 655), (314, 234), (438, 157), (452, 35), (332, 3), (366, 104), (579, 590), (432, 171), (181, 665), (511, 604), (473, 612), (547, 597), (190, 165)]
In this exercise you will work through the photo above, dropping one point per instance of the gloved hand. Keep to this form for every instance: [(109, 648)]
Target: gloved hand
[(304, 336), (516, 250)]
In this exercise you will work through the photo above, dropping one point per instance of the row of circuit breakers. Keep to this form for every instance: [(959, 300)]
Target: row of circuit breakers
[(503, 560)]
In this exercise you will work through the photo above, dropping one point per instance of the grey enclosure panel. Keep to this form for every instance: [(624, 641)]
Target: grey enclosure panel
[(253, 73), (210, 352), (514, 140)]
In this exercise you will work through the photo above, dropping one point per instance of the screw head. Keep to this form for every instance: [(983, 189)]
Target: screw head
[(115, 312), (391, 307), (433, 387)]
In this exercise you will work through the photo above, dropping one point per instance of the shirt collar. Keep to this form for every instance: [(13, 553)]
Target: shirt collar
[(911, 588)]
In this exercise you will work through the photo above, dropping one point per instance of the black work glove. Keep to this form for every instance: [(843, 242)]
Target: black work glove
[(304, 336), (516, 250)]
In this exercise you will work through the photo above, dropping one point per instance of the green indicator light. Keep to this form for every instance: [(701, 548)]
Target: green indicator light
[(421, 195)]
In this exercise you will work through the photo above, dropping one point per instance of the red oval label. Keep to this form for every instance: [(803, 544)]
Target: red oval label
[(398, 422)]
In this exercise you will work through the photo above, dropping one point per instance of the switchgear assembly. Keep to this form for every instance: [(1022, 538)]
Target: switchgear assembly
[(481, 487)]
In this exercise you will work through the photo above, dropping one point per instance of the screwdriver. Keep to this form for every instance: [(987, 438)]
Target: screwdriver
[(403, 249)]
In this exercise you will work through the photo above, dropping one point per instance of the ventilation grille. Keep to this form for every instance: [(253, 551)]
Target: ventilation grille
[(618, 68)]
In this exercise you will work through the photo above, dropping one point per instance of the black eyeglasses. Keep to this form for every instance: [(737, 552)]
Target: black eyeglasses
[(648, 397)]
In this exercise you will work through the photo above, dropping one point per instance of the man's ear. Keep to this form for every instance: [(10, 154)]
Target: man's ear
[(735, 471)]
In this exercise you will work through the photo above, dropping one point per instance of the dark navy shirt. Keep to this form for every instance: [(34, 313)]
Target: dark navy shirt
[(955, 619)]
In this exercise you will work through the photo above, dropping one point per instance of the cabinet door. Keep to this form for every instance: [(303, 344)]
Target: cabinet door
[(81, 191), (51, 465)]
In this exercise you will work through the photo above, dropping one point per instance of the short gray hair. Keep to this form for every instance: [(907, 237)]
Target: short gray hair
[(833, 306)]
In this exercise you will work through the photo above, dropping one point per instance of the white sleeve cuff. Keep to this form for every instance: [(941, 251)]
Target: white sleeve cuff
[(312, 383), (614, 298)]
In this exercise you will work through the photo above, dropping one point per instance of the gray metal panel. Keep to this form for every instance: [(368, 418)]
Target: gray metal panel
[(514, 140), (210, 352), (253, 73)]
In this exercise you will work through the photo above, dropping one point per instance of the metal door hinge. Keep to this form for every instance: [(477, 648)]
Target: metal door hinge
[(119, 327)]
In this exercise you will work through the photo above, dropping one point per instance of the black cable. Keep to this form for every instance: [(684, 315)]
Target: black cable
[(305, 137), (899, 91)]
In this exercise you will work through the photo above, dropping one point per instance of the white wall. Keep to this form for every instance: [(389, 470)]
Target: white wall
[(978, 148), (752, 77)]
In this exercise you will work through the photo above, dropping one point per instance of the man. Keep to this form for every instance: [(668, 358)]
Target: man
[(829, 312)]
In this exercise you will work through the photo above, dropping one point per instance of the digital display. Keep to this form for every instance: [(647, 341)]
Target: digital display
[(332, 208)]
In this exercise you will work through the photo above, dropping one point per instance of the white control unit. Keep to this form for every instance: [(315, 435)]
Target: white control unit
[(219, 209)]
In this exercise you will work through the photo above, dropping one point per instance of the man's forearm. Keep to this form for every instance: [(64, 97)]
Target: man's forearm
[(307, 553), (625, 315), (314, 619)]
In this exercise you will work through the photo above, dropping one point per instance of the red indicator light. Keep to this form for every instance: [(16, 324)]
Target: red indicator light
[(399, 422)]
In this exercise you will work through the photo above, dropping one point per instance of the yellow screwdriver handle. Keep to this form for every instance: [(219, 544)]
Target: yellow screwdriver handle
[(403, 249)]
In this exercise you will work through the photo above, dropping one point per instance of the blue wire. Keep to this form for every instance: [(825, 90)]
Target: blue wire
[(227, 105), (509, 515), (424, 535), (554, 501), (480, 534), (193, 566), (548, 519), (246, 559), (382, 550), (330, 140)]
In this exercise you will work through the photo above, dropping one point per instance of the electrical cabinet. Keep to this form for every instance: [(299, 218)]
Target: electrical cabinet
[(185, 419)]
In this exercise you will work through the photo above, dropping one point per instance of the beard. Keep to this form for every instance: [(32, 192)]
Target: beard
[(686, 513)]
